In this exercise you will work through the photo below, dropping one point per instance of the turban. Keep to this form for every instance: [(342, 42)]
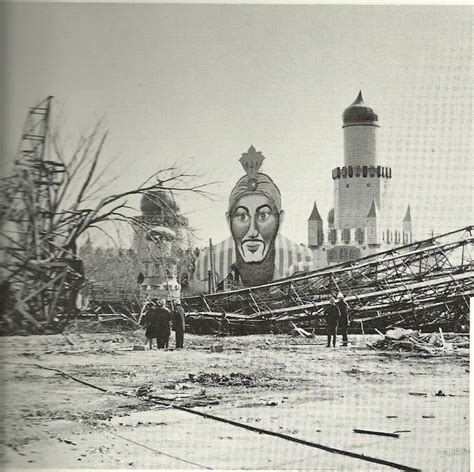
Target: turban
[(260, 184), (254, 181)]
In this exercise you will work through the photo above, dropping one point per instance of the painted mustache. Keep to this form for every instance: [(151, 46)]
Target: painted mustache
[(252, 245)]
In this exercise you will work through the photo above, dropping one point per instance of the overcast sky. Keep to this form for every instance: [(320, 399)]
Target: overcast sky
[(174, 82)]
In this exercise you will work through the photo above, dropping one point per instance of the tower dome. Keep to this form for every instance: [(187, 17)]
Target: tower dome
[(358, 112), (157, 202)]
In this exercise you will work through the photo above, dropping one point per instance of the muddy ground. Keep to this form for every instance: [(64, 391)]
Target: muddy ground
[(290, 385)]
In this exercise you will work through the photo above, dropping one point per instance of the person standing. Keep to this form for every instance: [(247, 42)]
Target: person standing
[(332, 321), (152, 324), (164, 320), (343, 317), (178, 323)]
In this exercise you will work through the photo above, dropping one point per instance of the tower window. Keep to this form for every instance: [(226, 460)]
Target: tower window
[(364, 171), (347, 185), (369, 185)]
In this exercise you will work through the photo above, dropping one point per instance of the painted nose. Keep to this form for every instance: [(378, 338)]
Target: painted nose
[(253, 230)]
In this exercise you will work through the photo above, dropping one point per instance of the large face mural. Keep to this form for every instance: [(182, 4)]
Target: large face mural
[(254, 218), (256, 252), (254, 223)]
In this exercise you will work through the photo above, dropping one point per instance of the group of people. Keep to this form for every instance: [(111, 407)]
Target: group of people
[(159, 319), (337, 318)]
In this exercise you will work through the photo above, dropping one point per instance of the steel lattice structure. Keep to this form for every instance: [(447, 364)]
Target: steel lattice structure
[(38, 275), (415, 285)]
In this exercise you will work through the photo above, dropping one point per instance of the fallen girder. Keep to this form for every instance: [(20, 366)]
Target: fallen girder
[(442, 255), (417, 285)]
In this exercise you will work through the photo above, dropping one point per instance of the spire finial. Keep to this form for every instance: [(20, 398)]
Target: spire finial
[(359, 99)]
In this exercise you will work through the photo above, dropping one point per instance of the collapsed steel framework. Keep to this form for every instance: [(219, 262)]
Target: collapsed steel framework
[(39, 274), (420, 284)]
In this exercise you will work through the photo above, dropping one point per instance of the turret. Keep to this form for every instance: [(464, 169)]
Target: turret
[(315, 228), (407, 228), (361, 179)]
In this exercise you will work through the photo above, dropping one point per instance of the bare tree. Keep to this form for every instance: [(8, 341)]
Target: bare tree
[(52, 198)]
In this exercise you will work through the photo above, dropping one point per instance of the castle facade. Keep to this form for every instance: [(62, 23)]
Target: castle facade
[(361, 221)]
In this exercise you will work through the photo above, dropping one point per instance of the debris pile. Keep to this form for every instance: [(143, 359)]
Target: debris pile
[(422, 285), (231, 380), (409, 340)]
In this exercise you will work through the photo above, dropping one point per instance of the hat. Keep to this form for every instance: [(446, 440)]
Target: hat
[(340, 296), (254, 181)]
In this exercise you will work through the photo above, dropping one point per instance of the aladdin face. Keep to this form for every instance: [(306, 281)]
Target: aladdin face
[(254, 223)]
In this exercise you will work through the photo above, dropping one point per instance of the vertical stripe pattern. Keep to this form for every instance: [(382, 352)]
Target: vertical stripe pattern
[(289, 258)]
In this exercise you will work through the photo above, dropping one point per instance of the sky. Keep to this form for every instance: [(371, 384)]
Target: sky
[(196, 85)]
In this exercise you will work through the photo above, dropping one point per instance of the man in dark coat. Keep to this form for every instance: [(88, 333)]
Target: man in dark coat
[(332, 320), (164, 320), (151, 321), (344, 317), (178, 323)]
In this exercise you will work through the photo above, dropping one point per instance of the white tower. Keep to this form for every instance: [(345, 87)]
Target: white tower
[(361, 180)]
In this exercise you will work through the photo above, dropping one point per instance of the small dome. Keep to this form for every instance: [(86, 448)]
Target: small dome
[(331, 216), (358, 112), (157, 203)]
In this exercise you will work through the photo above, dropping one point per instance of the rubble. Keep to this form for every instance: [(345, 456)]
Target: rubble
[(409, 340)]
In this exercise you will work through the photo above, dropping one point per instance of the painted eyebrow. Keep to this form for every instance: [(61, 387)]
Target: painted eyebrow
[(241, 207), (261, 207)]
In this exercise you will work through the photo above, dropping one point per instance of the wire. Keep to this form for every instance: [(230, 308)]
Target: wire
[(253, 428), (159, 452)]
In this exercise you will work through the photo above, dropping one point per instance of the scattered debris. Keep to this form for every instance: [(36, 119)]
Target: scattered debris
[(67, 441), (377, 433), (217, 348), (143, 391), (302, 332), (410, 340), (232, 379)]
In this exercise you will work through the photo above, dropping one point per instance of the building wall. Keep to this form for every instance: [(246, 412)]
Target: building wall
[(354, 193), (360, 145)]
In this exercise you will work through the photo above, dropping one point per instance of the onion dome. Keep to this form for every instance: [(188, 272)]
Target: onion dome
[(157, 203), (358, 112)]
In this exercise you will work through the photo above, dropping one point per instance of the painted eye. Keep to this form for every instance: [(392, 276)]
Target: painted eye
[(242, 217), (263, 216)]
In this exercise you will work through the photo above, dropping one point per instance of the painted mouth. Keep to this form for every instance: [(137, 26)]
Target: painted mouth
[(252, 246)]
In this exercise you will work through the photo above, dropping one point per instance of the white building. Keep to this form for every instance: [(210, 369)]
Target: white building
[(361, 221)]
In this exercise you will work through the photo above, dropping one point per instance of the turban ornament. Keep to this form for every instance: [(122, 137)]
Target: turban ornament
[(254, 181)]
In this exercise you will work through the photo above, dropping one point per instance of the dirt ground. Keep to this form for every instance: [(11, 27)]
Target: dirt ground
[(290, 385)]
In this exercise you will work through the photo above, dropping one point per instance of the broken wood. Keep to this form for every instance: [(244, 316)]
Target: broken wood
[(377, 433)]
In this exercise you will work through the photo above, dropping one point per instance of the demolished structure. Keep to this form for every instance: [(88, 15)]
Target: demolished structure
[(421, 285), (41, 273)]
